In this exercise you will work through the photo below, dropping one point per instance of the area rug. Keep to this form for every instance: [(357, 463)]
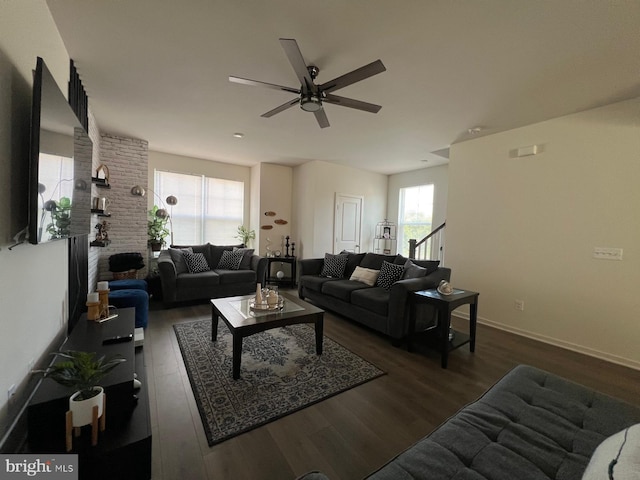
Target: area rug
[(280, 373)]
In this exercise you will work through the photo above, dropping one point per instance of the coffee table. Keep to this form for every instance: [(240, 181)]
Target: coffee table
[(236, 313)]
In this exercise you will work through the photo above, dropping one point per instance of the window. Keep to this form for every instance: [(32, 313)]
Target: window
[(415, 214), (208, 209)]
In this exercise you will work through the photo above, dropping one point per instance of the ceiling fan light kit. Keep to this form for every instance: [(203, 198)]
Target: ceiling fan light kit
[(311, 96)]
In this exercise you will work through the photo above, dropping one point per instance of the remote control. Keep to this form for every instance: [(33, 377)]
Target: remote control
[(118, 339)]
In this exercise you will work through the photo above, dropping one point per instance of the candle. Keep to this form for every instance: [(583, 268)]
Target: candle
[(103, 285), (93, 297)]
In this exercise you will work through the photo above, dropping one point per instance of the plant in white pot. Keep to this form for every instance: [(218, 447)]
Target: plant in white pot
[(83, 372)]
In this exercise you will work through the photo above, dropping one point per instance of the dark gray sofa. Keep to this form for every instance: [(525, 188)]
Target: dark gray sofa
[(384, 310), (178, 284), (531, 425)]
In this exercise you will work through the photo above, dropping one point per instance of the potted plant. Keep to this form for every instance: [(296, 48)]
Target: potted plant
[(83, 372), (245, 235), (157, 229)]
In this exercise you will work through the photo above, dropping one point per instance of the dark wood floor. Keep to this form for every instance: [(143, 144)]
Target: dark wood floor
[(350, 435)]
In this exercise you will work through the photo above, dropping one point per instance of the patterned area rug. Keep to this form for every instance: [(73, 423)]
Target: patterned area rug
[(279, 374)]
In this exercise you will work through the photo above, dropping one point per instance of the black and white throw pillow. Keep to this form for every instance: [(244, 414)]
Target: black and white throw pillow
[(334, 265), (196, 262), (230, 260), (390, 273)]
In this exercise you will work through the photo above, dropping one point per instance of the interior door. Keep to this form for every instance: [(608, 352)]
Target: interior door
[(348, 223)]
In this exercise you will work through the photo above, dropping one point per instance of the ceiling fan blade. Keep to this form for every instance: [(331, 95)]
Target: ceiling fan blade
[(321, 117), (281, 108), (361, 73), (294, 55), (256, 83), (351, 103)]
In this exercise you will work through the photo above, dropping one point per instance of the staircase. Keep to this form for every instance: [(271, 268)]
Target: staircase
[(430, 247)]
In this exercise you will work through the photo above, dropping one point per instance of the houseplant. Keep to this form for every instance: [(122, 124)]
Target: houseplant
[(83, 372), (245, 235), (157, 229)]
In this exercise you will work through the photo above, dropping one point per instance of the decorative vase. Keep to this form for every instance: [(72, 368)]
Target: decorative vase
[(83, 409)]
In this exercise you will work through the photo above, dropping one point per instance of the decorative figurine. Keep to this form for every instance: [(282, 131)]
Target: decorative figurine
[(286, 244)]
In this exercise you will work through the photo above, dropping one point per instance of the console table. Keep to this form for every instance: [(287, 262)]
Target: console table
[(445, 304), (124, 448)]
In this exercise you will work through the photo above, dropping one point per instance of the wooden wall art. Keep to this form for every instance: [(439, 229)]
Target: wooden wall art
[(266, 227), (280, 222)]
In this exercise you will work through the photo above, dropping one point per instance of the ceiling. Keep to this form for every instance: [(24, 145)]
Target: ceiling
[(158, 70)]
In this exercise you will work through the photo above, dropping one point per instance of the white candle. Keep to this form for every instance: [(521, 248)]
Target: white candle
[(103, 285), (93, 297)]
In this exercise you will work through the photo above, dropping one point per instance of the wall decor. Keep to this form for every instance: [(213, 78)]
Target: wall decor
[(270, 214), (280, 222), (266, 227)]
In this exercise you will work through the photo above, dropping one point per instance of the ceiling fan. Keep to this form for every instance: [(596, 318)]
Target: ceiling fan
[(311, 96)]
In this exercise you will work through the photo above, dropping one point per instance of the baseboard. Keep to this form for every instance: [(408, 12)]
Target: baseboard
[(625, 362)]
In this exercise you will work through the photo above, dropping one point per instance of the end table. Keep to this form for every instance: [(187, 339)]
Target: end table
[(445, 304)]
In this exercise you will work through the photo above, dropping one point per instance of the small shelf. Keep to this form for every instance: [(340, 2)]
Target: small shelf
[(100, 243), (100, 213), (100, 182)]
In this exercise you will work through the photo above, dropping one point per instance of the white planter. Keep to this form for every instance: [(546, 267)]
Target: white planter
[(83, 409)]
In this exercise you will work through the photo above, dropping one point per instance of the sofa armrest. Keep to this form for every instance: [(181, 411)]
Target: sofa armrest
[(308, 266), (259, 265), (398, 317), (168, 275)]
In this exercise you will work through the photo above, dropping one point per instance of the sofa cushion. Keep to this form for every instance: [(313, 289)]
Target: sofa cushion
[(196, 262), (374, 260), (178, 258), (314, 282), (230, 260), (430, 265), (334, 265), (365, 275), (215, 253), (236, 276), (411, 270), (375, 299), (247, 253), (352, 262), (389, 274), (618, 454), (197, 281), (342, 288)]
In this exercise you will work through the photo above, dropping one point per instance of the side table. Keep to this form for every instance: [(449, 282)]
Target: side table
[(290, 281), (445, 304)]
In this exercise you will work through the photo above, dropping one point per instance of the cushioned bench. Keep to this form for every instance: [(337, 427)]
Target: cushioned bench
[(131, 293)]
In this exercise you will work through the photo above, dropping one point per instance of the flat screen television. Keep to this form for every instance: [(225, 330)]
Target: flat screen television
[(60, 165)]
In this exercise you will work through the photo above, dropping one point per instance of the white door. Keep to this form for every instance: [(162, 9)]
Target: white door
[(348, 223)]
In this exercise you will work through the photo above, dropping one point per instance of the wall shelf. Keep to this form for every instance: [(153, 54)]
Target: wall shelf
[(100, 182)]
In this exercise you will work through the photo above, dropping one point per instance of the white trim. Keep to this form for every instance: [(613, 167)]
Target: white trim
[(625, 362)]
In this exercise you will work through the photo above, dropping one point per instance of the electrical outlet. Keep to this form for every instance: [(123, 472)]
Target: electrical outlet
[(519, 305)]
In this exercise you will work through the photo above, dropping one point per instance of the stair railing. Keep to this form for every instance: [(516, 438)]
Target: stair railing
[(430, 247)]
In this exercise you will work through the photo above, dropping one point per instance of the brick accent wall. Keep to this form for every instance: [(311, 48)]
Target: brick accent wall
[(94, 253), (127, 161)]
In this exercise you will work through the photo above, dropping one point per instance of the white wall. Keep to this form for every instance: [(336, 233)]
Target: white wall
[(180, 164), (275, 196), (525, 228), (33, 279), (315, 185), (438, 176)]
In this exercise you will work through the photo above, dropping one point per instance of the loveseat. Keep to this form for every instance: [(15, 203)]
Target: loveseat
[(195, 272), (531, 425), (371, 288)]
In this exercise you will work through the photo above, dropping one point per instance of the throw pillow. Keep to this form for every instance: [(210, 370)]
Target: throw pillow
[(230, 260), (196, 262), (389, 274), (177, 255), (247, 253), (411, 270), (334, 265), (617, 457), (365, 275)]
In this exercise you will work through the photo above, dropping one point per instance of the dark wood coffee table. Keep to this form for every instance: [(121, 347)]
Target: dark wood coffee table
[(242, 321)]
